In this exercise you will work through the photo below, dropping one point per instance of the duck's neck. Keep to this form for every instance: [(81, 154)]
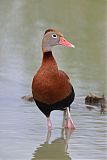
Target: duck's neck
[(48, 59), (48, 56)]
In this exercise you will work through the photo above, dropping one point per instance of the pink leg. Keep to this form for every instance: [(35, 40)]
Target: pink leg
[(69, 122), (48, 136), (49, 123)]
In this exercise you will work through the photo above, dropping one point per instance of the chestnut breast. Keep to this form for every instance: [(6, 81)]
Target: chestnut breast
[(50, 85)]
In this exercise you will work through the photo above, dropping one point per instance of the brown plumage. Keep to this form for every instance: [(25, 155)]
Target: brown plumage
[(51, 87)]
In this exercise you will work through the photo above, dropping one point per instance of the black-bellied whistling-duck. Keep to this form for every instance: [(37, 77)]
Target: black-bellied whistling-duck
[(51, 87)]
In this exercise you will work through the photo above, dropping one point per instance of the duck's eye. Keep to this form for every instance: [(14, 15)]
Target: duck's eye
[(54, 36)]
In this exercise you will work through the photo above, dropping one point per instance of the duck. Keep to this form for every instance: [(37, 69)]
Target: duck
[(51, 87)]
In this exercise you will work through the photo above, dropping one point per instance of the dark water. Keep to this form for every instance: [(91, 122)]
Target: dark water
[(23, 130)]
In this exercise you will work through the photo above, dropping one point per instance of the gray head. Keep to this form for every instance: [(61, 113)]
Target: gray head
[(52, 38)]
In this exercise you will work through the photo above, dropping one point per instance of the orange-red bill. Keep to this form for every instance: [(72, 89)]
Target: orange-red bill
[(64, 42)]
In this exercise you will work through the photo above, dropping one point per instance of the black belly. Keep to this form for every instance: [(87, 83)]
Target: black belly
[(60, 105)]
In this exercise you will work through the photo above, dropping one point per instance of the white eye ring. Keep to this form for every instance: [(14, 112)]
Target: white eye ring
[(54, 36)]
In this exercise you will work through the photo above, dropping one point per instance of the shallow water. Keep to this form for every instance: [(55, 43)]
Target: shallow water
[(23, 130)]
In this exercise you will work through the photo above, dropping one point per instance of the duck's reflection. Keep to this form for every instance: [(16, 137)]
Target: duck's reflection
[(57, 150)]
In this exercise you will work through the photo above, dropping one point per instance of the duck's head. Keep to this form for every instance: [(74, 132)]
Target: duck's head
[(52, 38)]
